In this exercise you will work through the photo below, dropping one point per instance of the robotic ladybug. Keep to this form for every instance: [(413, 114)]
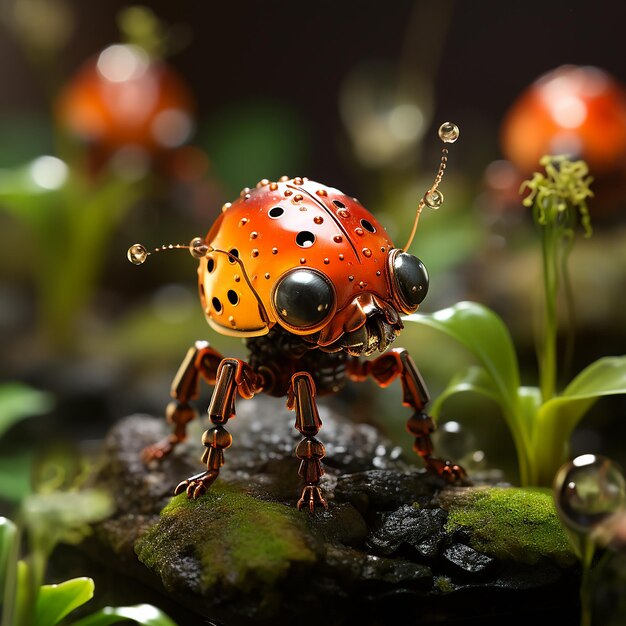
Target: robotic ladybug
[(311, 281)]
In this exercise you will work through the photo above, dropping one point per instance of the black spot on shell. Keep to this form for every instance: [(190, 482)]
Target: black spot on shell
[(305, 239), (369, 227), (275, 212)]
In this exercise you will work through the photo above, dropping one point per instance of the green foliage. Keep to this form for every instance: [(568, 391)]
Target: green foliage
[(540, 419), (28, 602), (514, 524), (560, 195), (54, 602), (540, 430), (8, 546), (19, 401), (559, 202), (68, 225)]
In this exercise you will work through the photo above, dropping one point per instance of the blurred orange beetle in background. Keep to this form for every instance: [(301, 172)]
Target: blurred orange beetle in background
[(578, 111)]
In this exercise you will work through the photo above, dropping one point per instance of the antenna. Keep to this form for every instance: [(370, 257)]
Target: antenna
[(433, 198), (138, 254)]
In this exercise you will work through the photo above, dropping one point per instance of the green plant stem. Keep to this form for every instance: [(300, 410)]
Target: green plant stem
[(10, 582), (547, 350)]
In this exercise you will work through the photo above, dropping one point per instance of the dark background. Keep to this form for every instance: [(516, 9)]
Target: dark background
[(299, 53)]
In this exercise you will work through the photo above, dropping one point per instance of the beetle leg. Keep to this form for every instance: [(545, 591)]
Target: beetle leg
[(310, 450), (232, 375), (384, 370), (200, 360)]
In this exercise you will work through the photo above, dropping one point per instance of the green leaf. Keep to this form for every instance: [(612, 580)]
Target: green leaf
[(484, 334), (18, 401), (558, 417), (15, 475), (475, 379), (54, 602), (529, 402), (145, 614), (63, 516), (8, 539)]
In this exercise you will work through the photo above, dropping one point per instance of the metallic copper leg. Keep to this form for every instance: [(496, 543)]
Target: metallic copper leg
[(232, 375), (200, 359), (310, 450), (385, 369)]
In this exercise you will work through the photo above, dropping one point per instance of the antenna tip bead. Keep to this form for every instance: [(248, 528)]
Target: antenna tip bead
[(449, 132), (137, 254), (197, 248)]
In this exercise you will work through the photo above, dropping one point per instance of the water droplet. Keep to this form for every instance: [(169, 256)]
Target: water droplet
[(449, 132), (588, 491), (433, 199), (452, 440), (197, 248), (137, 254)]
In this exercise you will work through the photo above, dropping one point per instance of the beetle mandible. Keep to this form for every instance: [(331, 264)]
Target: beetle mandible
[(312, 282)]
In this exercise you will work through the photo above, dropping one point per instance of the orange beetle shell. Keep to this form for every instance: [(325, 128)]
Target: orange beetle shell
[(281, 226)]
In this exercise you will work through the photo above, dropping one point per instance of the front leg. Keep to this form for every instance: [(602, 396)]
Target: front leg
[(232, 375), (200, 359), (310, 450), (384, 370)]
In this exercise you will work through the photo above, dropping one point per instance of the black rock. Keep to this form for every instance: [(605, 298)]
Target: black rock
[(244, 552), (423, 529), (467, 559), (385, 490)]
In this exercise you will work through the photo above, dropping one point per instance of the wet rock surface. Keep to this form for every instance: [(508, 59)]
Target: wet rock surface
[(244, 554)]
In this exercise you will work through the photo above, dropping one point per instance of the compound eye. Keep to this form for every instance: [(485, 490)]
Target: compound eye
[(411, 278), (303, 298)]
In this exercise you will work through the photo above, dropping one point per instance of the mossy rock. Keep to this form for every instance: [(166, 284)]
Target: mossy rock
[(511, 524), (233, 543)]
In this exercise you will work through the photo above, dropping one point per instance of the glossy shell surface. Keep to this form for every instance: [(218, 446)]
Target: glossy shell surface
[(276, 228)]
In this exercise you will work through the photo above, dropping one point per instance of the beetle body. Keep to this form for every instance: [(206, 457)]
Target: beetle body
[(311, 280), (309, 259)]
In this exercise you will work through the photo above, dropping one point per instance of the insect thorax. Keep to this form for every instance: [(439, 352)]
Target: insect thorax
[(280, 354)]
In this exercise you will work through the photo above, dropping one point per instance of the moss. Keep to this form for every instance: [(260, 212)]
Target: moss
[(444, 584), (239, 541), (510, 524)]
